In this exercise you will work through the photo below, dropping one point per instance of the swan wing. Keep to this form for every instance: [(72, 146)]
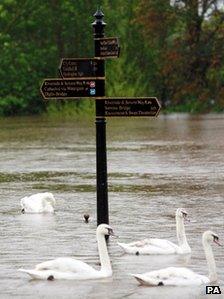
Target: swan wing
[(47, 197), (161, 243), (171, 276), (150, 246), (62, 268), (31, 205), (65, 264), (38, 203)]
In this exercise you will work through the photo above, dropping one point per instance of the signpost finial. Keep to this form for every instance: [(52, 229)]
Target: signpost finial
[(99, 14), (98, 24)]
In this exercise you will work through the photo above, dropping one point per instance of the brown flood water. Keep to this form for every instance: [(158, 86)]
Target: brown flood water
[(154, 166)]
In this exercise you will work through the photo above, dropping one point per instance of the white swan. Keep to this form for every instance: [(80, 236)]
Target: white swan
[(160, 246), (183, 276), (38, 203), (69, 268)]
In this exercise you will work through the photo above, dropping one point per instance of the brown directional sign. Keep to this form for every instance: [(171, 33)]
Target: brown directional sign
[(81, 67), (72, 88), (130, 107), (107, 47)]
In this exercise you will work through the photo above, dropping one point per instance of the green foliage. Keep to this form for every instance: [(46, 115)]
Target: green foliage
[(187, 40), (34, 36), (70, 109), (162, 53)]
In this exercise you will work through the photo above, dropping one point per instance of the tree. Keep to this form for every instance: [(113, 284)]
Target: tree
[(35, 34), (185, 37)]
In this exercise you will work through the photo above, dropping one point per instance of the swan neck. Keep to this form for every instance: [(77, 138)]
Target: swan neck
[(181, 236), (210, 261), (103, 253)]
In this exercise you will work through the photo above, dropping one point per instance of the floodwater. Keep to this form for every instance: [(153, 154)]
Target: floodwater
[(154, 167)]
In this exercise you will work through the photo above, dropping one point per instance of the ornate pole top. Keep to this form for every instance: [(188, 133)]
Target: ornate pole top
[(99, 14), (98, 24)]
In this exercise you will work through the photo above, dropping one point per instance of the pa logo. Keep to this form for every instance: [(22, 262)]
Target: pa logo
[(213, 290)]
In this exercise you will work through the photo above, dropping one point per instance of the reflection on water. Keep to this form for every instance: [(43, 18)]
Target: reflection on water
[(154, 165)]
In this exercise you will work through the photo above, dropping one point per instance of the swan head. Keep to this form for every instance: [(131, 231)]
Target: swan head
[(182, 213), (105, 230), (210, 237)]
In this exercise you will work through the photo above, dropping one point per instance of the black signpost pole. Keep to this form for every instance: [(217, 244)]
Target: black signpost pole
[(101, 154)]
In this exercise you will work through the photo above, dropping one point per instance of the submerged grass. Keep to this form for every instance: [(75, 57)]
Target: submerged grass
[(70, 110)]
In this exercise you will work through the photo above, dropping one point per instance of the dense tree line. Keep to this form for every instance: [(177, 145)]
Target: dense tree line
[(169, 49), (187, 40)]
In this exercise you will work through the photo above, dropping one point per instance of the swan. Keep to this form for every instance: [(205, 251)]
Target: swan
[(183, 276), (38, 203), (160, 246), (69, 268)]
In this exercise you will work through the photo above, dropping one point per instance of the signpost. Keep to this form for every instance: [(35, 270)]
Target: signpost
[(81, 67), (72, 88), (130, 107), (107, 47), (85, 78), (101, 148)]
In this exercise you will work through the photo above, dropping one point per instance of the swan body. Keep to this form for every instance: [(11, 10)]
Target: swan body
[(171, 276), (63, 268), (161, 246), (151, 246), (38, 203), (69, 268), (175, 276)]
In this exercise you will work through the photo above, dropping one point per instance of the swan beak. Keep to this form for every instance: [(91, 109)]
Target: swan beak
[(112, 234), (186, 219), (217, 242)]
